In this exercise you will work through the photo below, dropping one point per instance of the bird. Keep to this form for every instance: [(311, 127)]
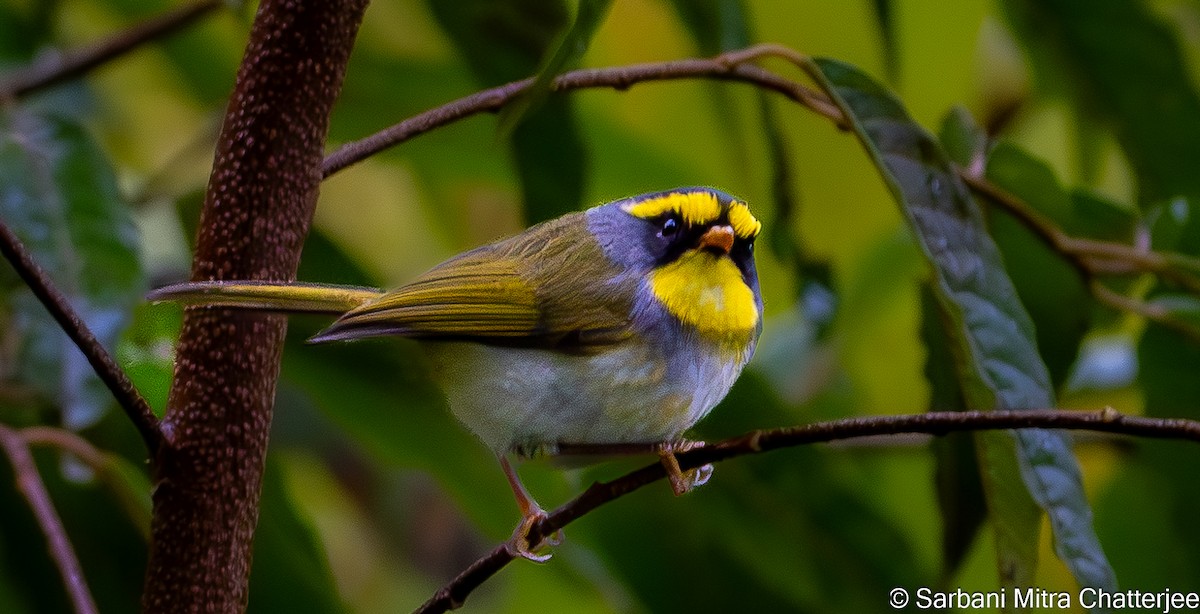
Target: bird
[(625, 323)]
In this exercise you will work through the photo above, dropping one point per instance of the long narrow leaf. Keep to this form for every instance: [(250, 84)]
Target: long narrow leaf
[(992, 335)]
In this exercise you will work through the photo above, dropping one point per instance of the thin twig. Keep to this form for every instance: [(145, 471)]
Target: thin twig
[(103, 464), (1155, 313), (1108, 420), (55, 69), (70, 442), (729, 67), (102, 362), (30, 483), (1092, 257)]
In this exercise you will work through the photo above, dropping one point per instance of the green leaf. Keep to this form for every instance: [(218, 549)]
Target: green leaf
[(1121, 62), (1099, 218), (23, 28), (505, 41), (291, 570), (885, 20), (59, 195), (1166, 374), (715, 25), (962, 137), (570, 50), (1053, 290), (1031, 180), (956, 477), (991, 334)]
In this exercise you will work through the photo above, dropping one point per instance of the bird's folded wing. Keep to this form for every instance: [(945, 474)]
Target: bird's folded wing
[(497, 295)]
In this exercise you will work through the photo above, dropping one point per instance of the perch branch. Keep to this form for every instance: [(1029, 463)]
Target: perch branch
[(30, 483), (102, 362), (731, 66), (1108, 420), (52, 70)]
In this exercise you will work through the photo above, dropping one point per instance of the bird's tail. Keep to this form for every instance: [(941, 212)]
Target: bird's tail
[(267, 296)]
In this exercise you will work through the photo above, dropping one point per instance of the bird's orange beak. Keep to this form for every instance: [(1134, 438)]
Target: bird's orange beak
[(717, 239)]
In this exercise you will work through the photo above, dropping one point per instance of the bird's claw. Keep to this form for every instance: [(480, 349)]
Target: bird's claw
[(682, 481), (518, 544)]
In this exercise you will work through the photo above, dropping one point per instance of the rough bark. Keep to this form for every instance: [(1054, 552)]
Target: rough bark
[(257, 211)]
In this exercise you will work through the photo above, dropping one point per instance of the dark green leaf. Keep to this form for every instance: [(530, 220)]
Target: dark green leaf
[(715, 25), (963, 138), (506, 41), (1143, 515), (1168, 222), (956, 478), (1016, 519), (58, 193), (1167, 364), (885, 19), (992, 335), (549, 154), (1053, 291), (291, 571), (1031, 180), (1123, 63), (589, 16), (1099, 218), (23, 28)]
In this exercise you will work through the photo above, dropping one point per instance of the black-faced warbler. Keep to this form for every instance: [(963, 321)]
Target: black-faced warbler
[(623, 324)]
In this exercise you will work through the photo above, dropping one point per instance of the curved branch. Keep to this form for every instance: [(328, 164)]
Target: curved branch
[(62, 67), (1092, 258), (68, 442), (731, 66), (30, 483), (102, 362), (1107, 420)]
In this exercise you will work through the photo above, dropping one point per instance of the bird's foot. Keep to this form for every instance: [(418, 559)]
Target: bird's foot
[(518, 544), (683, 481)]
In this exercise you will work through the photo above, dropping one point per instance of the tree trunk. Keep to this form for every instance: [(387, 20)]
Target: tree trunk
[(257, 212)]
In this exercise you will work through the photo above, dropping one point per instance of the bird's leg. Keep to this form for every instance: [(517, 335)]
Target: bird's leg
[(531, 513), (683, 481)]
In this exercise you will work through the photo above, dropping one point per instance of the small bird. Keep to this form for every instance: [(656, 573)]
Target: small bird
[(622, 324)]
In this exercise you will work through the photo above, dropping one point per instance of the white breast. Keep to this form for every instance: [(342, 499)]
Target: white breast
[(513, 397)]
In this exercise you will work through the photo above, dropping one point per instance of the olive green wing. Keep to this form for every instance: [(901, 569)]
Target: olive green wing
[(547, 287)]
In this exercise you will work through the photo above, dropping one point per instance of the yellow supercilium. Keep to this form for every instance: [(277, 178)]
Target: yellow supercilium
[(745, 225), (693, 207)]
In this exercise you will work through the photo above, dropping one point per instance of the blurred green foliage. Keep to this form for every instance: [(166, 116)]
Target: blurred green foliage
[(374, 497)]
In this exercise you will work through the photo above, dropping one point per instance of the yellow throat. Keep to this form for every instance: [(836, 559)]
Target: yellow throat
[(706, 291)]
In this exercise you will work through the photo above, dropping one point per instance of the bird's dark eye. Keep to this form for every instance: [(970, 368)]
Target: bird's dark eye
[(670, 226)]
